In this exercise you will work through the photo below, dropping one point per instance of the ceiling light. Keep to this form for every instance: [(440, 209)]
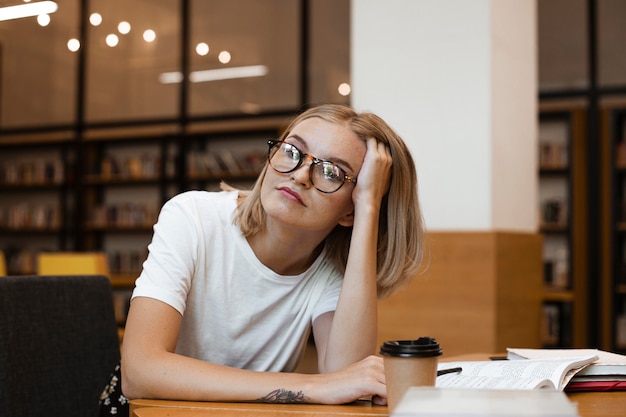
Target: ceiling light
[(43, 19), (224, 57), (171, 77), (228, 73), (95, 19), (73, 44), (123, 28), (202, 49), (215, 74), (112, 40), (149, 35), (27, 10), (344, 89)]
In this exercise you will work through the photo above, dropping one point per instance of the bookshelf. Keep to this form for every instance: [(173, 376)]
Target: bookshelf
[(613, 254), (124, 183), (110, 199), (36, 198), (235, 157), (563, 224)]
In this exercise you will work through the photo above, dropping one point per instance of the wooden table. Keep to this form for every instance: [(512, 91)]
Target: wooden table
[(590, 404), (160, 408), (600, 404)]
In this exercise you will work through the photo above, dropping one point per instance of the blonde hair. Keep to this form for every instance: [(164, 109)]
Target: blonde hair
[(400, 244)]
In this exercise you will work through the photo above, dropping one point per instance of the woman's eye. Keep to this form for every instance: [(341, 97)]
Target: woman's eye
[(331, 172), (292, 152)]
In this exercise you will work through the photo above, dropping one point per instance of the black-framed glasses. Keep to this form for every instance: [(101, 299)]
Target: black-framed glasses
[(326, 176)]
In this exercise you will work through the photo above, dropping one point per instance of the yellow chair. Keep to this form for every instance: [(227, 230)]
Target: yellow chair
[(72, 263), (3, 265)]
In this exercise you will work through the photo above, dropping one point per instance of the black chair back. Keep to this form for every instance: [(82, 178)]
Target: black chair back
[(58, 344)]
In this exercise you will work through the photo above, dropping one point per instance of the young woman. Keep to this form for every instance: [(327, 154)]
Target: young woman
[(235, 281)]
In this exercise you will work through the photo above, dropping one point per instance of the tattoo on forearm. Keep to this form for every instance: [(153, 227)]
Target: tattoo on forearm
[(283, 396)]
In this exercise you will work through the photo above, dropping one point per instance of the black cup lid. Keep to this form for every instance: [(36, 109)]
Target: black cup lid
[(422, 347)]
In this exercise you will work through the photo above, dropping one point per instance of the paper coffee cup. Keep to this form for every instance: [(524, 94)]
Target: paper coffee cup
[(409, 363)]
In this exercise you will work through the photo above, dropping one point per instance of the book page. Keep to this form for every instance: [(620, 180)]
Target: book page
[(526, 374), (607, 363)]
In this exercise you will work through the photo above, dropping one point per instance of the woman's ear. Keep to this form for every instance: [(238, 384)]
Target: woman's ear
[(347, 220)]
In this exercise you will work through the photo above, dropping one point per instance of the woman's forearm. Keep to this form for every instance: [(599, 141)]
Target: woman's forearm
[(182, 378), (172, 376), (353, 331), (354, 327)]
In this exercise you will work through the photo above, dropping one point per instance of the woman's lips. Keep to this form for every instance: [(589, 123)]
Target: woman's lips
[(291, 194)]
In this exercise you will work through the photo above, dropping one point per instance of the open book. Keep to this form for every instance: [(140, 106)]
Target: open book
[(607, 364), (607, 373), (528, 374)]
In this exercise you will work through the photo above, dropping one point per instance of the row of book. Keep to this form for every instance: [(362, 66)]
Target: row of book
[(20, 261), (121, 304), (553, 155), (556, 274), (199, 163), (145, 166), (554, 332), (34, 216), (30, 216), (620, 154), (554, 212), (142, 166), (125, 261), (225, 162), (620, 330), (32, 172), (124, 215)]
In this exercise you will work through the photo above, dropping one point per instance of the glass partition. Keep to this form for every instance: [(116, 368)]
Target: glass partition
[(611, 41), (37, 70), (562, 43), (244, 57), (131, 45), (329, 52), (244, 62)]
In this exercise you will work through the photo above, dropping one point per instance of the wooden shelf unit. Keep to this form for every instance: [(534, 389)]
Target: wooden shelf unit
[(116, 179), (563, 189), (612, 293)]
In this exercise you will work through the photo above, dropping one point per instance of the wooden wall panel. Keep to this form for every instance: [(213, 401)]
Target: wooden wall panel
[(481, 292)]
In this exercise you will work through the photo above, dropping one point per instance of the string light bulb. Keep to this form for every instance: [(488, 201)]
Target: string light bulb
[(95, 19), (149, 35), (73, 45)]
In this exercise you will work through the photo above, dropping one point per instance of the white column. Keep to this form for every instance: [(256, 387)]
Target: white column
[(457, 80)]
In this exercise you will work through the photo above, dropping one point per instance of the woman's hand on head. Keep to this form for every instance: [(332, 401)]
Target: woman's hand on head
[(374, 176)]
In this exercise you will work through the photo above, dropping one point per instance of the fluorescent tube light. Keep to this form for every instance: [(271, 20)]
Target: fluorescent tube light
[(27, 10), (215, 74), (171, 77), (228, 73)]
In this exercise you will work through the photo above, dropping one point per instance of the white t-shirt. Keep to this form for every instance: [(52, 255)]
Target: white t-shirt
[(236, 311)]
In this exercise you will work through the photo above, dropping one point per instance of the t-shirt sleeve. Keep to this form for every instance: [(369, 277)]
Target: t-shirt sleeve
[(168, 270), (329, 298)]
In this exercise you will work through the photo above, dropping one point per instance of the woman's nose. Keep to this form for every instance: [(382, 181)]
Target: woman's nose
[(302, 174)]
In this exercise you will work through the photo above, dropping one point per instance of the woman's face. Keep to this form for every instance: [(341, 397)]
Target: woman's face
[(291, 198)]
